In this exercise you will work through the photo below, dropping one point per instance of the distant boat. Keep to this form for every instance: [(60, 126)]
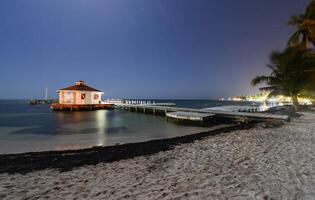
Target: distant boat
[(42, 101)]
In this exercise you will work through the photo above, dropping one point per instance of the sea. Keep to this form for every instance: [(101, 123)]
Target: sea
[(32, 128)]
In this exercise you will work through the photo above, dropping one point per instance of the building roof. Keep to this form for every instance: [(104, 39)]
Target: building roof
[(81, 86)]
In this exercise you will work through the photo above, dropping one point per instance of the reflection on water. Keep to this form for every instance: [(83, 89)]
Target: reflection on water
[(101, 121), (35, 128)]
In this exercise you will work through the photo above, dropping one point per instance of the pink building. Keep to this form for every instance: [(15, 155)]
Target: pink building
[(80, 94)]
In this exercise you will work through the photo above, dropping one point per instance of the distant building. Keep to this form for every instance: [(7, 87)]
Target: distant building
[(238, 98), (80, 94)]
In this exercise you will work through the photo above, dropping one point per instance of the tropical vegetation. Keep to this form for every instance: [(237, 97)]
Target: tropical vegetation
[(305, 27), (293, 69), (292, 72)]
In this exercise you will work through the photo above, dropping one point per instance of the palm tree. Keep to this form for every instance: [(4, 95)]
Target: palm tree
[(291, 72), (305, 25)]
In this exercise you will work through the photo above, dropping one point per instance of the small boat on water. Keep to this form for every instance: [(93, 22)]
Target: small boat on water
[(42, 101)]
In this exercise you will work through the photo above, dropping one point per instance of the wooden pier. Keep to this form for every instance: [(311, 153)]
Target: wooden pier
[(76, 107), (42, 101), (120, 105), (239, 116), (191, 117)]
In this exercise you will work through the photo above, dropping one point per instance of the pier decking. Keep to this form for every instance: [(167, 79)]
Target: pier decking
[(42, 101), (154, 109), (194, 117), (76, 107)]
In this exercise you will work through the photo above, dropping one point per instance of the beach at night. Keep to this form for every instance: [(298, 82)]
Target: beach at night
[(261, 163), (157, 100)]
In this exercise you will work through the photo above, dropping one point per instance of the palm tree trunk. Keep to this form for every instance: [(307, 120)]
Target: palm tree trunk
[(295, 102)]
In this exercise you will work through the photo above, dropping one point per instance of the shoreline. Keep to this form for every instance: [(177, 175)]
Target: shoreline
[(252, 163), (65, 160)]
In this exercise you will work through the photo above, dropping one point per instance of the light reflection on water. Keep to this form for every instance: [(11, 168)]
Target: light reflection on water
[(75, 130), (26, 128), (101, 121)]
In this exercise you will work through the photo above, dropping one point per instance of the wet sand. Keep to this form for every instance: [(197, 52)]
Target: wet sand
[(257, 163)]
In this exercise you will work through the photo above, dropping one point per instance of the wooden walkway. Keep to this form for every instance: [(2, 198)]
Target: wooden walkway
[(225, 114), (42, 101), (76, 107), (193, 116), (120, 105)]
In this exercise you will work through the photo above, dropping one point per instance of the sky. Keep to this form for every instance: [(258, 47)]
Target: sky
[(165, 49)]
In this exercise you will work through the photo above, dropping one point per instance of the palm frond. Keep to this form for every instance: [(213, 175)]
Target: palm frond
[(292, 71), (310, 10), (294, 39), (295, 20), (259, 79), (305, 26)]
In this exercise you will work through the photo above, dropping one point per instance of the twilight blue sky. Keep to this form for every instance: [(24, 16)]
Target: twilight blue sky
[(140, 48)]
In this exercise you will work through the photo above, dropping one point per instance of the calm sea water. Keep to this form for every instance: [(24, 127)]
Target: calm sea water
[(25, 128)]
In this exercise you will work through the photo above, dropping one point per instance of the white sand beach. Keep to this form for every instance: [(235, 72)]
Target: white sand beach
[(259, 163)]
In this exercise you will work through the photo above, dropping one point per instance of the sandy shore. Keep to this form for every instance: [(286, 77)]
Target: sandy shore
[(259, 163)]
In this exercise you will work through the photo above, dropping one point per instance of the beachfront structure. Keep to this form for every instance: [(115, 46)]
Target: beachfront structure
[(80, 94), (80, 97)]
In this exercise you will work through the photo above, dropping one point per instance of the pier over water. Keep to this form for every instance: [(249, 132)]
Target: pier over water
[(164, 109)]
